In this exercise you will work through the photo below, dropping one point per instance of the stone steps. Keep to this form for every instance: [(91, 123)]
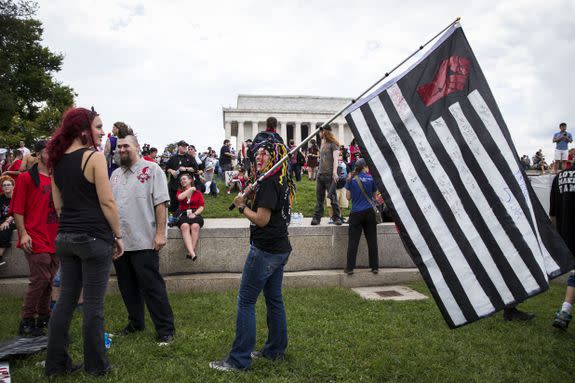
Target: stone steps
[(217, 282)]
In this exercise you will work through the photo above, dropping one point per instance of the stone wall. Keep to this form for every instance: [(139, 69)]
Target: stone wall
[(223, 248)]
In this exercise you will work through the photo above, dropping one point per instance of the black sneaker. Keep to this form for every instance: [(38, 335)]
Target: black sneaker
[(223, 365), (2, 261), (517, 315), (42, 322), (562, 320), (348, 271), (375, 271), (337, 221), (315, 221), (27, 327), (130, 329), (165, 340)]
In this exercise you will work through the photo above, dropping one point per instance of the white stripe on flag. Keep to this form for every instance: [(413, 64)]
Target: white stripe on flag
[(477, 297), (491, 124), (447, 189), (498, 183), (507, 248), (443, 290)]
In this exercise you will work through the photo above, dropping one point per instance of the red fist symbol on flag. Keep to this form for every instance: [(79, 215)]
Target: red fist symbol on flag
[(450, 77)]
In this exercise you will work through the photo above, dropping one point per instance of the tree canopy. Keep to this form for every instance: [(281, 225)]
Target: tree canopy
[(31, 100)]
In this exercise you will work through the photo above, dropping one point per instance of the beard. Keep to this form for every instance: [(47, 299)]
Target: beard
[(125, 161)]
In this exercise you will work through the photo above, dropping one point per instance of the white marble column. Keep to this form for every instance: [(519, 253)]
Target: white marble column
[(240, 137), (228, 130), (340, 134), (283, 131), (297, 133), (312, 128), (255, 129)]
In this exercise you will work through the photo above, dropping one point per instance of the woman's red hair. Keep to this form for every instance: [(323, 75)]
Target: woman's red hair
[(76, 123)]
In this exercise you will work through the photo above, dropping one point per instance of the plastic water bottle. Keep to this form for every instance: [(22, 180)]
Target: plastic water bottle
[(297, 218), (107, 340)]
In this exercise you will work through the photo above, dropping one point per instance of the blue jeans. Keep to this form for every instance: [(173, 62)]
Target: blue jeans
[(262, 271)]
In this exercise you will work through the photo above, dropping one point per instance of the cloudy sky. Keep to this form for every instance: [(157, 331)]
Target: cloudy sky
[(168, 67)]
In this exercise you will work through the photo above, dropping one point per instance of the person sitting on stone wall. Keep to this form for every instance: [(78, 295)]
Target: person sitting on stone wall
[(7, 224), (210, 169), (189, 214), (238, 182)]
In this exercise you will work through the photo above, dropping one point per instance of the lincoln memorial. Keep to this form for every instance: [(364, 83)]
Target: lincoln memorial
[(298, 117)]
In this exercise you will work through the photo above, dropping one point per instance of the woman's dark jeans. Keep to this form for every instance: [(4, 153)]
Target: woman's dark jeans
[(85, 263)]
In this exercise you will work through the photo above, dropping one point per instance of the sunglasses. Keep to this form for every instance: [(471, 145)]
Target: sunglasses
[(6, 185)]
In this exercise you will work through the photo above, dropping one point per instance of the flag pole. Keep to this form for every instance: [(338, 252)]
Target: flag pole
[(338, 113)]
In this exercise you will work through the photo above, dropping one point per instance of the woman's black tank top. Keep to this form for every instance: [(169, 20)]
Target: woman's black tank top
[(81, 211)]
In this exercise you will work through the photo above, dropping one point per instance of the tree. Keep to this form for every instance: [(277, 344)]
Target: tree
[(31, 100)]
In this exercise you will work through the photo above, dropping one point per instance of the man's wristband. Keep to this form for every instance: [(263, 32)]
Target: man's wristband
[(241, 209)]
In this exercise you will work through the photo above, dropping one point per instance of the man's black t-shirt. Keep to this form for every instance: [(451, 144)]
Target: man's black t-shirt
[(272, 238), (174, 163), (224, 158), (563, 206)]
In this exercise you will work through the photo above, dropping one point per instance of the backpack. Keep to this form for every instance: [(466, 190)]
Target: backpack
[(300, 158)]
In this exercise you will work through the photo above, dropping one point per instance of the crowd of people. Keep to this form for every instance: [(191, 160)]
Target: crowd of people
[(80, 207), (563, 156)]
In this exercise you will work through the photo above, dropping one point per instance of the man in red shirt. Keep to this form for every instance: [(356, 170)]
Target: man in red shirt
[(37, 224)]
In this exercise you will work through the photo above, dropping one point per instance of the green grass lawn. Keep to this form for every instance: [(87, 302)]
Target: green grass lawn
[(217, 207), (335, 336)]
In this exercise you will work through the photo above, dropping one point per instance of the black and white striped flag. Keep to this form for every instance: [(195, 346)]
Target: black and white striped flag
[(443, 158)]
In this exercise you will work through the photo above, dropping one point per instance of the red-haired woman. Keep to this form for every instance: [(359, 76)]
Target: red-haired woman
[(7, 224), (189, 213), (89, 236)]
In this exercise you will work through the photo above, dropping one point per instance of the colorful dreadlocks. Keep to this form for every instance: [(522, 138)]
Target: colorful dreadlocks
[(277, 151)]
